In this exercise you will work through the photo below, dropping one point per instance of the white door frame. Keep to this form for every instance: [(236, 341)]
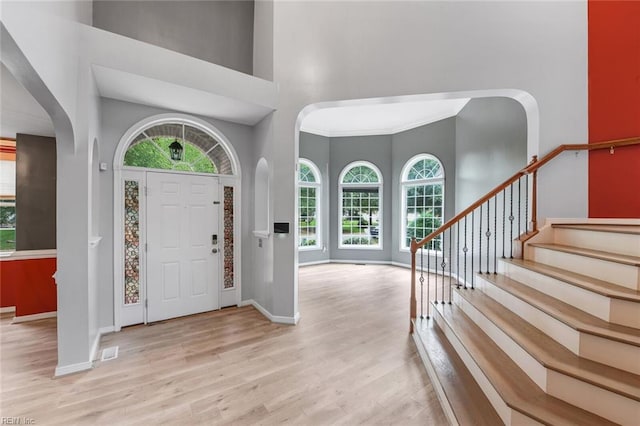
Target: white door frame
[(122, 173)]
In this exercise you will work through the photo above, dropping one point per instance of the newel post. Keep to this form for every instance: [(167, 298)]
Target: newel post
[(412, 301), (534, 196)]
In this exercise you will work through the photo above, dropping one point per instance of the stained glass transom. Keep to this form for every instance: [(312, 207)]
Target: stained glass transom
[(131, 242), (228, 238)]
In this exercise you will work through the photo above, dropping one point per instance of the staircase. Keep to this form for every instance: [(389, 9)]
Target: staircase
[(552, 339)]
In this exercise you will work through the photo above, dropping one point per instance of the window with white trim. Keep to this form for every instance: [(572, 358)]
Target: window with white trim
[(360, 188), (423, 199), (309, 191)]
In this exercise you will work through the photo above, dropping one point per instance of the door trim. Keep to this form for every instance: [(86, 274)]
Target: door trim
[(140, 175), (119, 171)]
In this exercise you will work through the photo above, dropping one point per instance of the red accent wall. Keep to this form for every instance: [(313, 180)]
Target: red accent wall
[(614, 107), (28, 285)]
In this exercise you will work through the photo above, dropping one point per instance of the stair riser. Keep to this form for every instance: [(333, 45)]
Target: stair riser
[(625, 312), (605, 351), (557, 330), (529, 365), (591, 303), (492, 395), (599, 401), (624, 275), (594, 399), (582, 344), (520, 419), (612, 242)]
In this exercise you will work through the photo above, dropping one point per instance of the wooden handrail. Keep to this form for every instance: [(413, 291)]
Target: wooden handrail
[(530, 168)]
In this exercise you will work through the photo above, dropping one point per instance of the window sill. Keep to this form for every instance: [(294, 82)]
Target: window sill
[(309, 248), (360, 248)]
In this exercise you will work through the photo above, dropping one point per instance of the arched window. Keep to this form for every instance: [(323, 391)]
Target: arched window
[(360, 206), (423, 199), (309, 192), (178, 146)]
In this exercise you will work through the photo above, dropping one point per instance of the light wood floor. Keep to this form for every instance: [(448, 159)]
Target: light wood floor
[(350, 360)]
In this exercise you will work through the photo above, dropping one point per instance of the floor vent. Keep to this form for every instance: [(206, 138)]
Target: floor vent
[(109, 353)]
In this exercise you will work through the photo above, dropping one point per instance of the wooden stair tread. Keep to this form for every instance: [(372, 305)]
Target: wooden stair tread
[(595, 285), (596, 254), (516, 388), (470, 405), (596, 227), (550, 353), (572, 317)]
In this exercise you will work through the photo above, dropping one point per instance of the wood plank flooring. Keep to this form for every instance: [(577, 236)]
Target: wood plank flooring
[(350, 360)]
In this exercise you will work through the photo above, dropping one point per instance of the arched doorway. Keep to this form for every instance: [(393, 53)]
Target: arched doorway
[(176, 205)]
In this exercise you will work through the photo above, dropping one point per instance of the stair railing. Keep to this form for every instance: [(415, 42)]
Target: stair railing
[(496, 225)]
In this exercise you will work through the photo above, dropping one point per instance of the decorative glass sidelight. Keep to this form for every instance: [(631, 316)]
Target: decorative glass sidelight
[(228, 238), (131, 242)]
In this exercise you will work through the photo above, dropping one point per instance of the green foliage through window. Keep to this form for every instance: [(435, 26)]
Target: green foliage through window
[(154, 154), (308, 200), (360, 188), (423, 188)]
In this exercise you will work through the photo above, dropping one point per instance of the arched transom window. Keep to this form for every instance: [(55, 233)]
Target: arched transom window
[(360, 206), (423, 199), (309, 192), (178, 146)]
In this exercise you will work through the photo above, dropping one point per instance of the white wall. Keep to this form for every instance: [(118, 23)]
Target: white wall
[(259, 285), (328, 51), (74, 10)]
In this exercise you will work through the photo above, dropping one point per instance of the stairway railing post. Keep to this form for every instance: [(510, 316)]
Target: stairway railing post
[(534, 197), (413, 301)]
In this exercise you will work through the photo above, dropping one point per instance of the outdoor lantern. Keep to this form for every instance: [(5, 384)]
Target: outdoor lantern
[(176, 150)]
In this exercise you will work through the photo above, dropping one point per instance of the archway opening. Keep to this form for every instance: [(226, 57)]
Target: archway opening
[(389, 132)]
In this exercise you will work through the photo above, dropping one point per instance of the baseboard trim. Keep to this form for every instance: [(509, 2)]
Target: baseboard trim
[(34, 317), (7, 309), (273, 318), (315, 262), (73, 368), (362, 262), (248, 302), (401, 265), (435, 381), (94, 348), (106, 330)]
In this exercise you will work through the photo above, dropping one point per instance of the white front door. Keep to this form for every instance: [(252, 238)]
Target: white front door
[(183, 259)]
